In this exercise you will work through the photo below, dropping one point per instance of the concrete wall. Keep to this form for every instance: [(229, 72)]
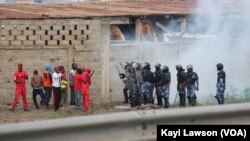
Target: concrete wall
[(36, 43)]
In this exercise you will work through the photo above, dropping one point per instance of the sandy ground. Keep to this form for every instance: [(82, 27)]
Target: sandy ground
[(68, 111), (42, 114)]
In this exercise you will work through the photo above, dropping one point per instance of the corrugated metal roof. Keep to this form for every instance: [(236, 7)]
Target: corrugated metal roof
[(118, 8)]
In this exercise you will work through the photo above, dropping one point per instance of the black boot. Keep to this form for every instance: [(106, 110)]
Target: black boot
[(193, 102), (159, 100), (125, 95), (218, 99), (166, 103), (189, 100), (132, 101), (182, 100)]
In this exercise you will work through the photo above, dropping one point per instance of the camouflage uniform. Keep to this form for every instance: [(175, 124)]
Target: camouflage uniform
[(158, 87), (221, 85), (166, 78), (192, 77), (181, 85), (138, 75), (147, 86), (146, 93), (133, 88)]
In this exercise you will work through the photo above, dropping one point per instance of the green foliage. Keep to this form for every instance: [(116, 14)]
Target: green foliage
[(233, 95), (56, 115), (247, 94), (3, 107)]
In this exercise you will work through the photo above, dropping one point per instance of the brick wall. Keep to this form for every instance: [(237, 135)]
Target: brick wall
[(36, 43)]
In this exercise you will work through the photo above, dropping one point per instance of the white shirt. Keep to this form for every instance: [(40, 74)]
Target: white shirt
[(56, 79), (71, 77)]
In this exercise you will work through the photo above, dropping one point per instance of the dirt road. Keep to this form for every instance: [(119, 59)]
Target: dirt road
[(42, 114)]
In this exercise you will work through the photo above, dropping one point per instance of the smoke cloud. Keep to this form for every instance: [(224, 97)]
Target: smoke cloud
[(220, 37)]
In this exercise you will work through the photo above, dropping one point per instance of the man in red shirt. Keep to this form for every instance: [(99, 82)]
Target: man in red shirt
[(86, 82), (19, 78), (78, 87)]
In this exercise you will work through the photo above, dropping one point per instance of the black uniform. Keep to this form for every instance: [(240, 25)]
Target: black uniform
[(133, 88), (158, 87), (192, 77), (221, 86), (147, 85), (181, 85), (166, 78)]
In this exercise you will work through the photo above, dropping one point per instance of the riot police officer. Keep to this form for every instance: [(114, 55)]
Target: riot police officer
[(133, 87), (158, 88), (125, 80), (221, 83), (165, 83), (147, 84), (137, 100), (192, 85), (181, 84)]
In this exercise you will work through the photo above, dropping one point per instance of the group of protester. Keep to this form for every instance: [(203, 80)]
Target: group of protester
[(57, 83), (140, 82)]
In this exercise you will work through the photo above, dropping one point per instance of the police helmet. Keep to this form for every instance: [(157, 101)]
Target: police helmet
[(219, 66), (165, 69), (157, 65), (134, 65), (190, 67), (125, 64), (138, 65), (179, 66), (145, 65)]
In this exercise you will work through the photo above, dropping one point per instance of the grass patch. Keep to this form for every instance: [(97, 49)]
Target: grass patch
[(232, 95), (4, 107), (56, 115)]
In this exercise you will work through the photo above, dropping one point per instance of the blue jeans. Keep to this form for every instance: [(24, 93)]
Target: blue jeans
[(48, 91), (57, 94), (78, 98), (72, 95), (38, 91)]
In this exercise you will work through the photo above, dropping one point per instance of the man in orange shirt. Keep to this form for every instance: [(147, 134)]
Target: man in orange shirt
[(19, 78), (47, 84)]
